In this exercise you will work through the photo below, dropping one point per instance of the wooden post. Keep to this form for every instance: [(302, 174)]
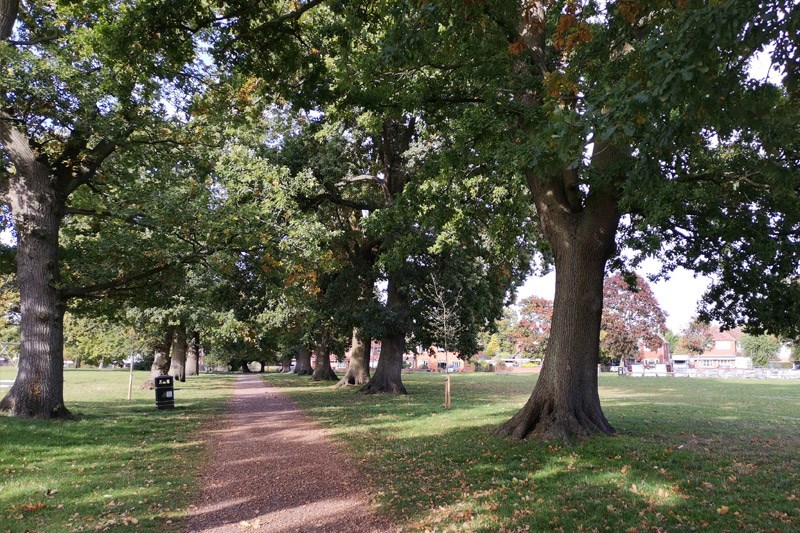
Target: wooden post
[(447, 392), (130, 380)]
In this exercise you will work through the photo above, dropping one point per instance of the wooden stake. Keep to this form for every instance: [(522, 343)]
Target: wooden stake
[(130, 380), (447, 393)]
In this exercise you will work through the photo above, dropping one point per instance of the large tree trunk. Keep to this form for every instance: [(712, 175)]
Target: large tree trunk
[(322, 368), (387, 377), (37, 192), (193, 355), (565, 401), (358, 371), (286, 364), (161, 363), (38, 208), (177, 366), (303, 365)]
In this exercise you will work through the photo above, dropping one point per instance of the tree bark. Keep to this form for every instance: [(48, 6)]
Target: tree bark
[(303, 364), (177, 365), (387, 377), (286, 364), (322, 368), (358, 371), (565, 401), (38, 208), (8, 16), (161, 363), (193, 355)]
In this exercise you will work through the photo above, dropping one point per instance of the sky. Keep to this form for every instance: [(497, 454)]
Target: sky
[(678, 296)]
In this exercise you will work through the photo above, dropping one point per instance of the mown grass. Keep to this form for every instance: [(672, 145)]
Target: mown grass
[(122, 465), (690, 454)]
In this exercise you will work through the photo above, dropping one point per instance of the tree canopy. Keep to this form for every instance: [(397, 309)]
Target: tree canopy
[(632, 317), (696, 338), (762, 349), (532, 330), (290, 156)]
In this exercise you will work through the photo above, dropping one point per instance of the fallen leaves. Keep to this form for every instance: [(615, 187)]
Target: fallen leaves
[(26, 508), (783, 517), (30, 507)]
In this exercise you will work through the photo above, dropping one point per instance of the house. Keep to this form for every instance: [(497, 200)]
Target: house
[(437, 360), (653, 362), (659, 356), (725, 352)]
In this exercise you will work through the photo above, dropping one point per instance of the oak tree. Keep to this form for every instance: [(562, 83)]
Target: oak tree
[(633, 124)]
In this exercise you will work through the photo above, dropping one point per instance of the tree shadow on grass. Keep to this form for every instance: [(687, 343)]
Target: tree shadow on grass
[(677, 463), (121, 461)]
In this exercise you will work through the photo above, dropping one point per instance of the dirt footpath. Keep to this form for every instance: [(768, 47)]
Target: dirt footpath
[(272, 469)]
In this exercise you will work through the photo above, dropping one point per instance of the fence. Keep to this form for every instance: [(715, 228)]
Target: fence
[(742, 373)]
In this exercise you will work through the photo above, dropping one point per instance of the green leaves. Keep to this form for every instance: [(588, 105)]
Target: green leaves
[(762, 349)]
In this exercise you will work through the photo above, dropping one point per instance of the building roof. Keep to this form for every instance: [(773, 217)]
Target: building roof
[(734, 334)]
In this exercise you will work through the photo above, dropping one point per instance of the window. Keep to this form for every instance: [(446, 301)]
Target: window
[(723, 345)]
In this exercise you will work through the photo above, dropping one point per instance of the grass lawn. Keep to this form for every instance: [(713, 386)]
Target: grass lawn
[(122, 466), (690, 454)]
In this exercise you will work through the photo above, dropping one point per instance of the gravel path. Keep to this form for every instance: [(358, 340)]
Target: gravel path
[(272, 469)]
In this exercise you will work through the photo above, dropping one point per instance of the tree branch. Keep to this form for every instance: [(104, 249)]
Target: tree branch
[(123, 283), (312, 202), (527, 35), (291, 16), (357, 179), (38, 40), (131, 219)]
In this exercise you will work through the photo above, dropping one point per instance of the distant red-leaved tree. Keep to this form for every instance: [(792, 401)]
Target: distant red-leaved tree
[(696, 338), (631, 315), (533, 329)]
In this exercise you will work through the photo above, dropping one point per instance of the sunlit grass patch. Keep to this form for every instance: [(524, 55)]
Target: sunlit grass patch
[(122, 464), (690, 453)]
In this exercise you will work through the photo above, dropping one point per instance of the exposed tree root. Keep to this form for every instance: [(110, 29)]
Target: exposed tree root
[(325, 374), (350, 380), (353, 378), (374, 387), (33, 411), (543, 420)]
